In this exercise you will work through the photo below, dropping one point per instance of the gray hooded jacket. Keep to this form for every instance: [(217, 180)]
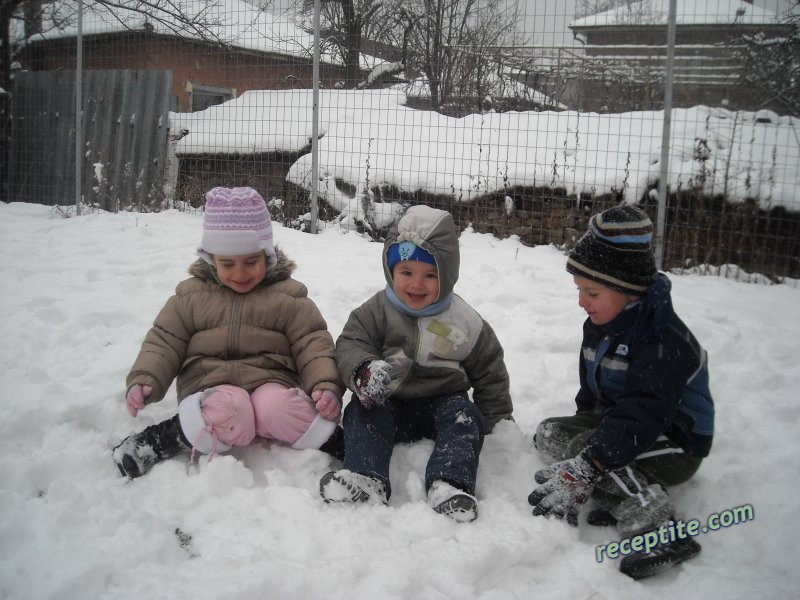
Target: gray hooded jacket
[(450, 352)]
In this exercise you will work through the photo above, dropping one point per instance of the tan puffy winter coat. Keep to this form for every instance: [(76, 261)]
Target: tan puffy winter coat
[(207, 334)]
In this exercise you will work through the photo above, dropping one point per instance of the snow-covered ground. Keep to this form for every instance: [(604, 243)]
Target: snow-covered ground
[(79, 295)]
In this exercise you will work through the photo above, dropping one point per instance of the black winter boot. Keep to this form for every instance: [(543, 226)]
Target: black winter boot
[(335, 444), (661, 557), (137, 453)]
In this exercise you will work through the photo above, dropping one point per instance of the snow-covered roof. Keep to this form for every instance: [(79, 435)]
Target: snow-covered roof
[(688, 12), (233, 22), (371, 138)]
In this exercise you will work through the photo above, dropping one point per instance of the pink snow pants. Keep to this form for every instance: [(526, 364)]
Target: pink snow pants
[(280, 413)]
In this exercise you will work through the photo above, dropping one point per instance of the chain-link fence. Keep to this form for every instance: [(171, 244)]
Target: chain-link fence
[(521, 118)]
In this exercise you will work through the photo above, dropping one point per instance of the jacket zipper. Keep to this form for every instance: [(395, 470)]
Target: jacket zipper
[(233, 338)]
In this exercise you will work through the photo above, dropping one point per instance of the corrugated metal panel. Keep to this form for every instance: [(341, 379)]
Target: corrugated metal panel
[(126, 127)]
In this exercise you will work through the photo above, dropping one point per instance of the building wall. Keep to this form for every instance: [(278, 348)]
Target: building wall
[(684, 35), (191, 63), (625, 69)]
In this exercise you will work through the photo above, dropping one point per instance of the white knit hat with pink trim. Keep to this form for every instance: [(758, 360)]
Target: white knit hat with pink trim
[(236, 222)]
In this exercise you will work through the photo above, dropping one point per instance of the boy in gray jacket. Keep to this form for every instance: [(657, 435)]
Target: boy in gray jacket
[(410, 354)]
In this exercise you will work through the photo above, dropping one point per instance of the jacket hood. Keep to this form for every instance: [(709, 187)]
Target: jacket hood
[(283, 269), (434, 231)]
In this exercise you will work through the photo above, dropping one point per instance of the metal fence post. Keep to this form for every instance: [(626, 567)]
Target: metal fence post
[(315, 124), (661, 225), (79, 111)]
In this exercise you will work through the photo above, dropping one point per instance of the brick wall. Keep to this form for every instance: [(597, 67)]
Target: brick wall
[(189, 62)]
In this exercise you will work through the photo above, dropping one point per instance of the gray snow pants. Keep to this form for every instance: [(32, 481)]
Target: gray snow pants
[(635, 494)]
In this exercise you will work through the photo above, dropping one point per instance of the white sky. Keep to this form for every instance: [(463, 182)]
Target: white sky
[(79, 295), (545, 22)]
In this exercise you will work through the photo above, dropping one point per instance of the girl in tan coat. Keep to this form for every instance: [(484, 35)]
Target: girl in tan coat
[(251, 352)]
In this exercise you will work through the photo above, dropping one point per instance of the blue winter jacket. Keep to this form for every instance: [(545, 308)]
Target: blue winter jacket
[(647, 375)]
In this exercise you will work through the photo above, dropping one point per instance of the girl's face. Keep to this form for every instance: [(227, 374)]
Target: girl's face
[(602, 304), (415, 283), (243, 272)]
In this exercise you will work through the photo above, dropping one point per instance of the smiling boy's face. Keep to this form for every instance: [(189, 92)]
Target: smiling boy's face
[(416, 283)]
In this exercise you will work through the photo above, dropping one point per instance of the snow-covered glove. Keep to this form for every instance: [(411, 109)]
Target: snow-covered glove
[(564, 487), (136, 396), (371, 383), (328, 405)]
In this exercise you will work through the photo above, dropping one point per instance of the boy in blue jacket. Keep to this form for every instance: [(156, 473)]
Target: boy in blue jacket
[(645, 416)]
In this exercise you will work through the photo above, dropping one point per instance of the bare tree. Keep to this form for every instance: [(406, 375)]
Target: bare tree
[(772, 65), (347, 23), (458, 44), (345, 27)]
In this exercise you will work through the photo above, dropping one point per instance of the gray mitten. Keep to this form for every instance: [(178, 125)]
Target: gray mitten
[(564, 487)]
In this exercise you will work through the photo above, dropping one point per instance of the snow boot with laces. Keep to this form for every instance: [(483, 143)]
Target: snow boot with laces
[(347, 486), (137, 453)]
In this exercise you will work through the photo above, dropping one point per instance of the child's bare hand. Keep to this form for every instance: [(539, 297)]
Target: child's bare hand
[(372, 383), (135, 398), (328, 405)]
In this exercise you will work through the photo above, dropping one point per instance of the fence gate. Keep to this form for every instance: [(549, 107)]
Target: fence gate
[(126, 126)]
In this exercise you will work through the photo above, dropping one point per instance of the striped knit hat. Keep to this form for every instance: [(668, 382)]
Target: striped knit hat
[(617, 251), (236, 222)]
